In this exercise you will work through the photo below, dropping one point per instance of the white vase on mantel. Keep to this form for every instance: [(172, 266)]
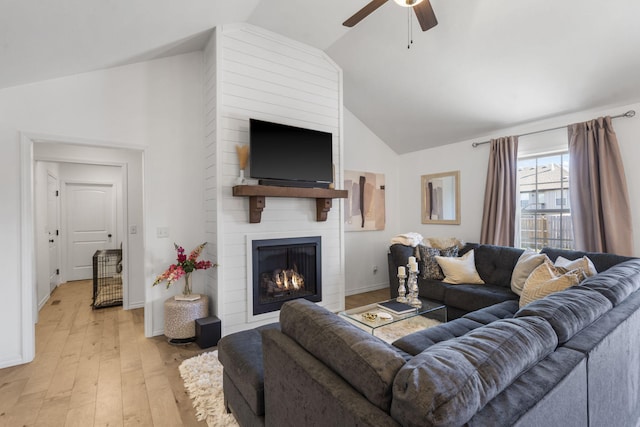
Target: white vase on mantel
[(241, 180)]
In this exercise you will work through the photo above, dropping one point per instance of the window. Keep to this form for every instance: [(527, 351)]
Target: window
[(545, 214)]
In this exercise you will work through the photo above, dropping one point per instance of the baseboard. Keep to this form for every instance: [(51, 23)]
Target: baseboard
[(368, 288), (135, 305), (43, 302)]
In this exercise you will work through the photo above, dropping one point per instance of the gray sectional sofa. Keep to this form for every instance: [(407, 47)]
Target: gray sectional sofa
[(571, 358), (494, 265)]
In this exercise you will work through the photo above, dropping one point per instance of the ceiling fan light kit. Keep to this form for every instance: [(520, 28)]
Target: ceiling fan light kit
[(408, 3), (422, 9)]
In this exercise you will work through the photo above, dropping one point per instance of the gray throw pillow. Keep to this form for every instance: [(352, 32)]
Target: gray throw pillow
[(430, 267)]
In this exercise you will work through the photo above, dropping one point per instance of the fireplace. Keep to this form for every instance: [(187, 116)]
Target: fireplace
[(285, 269)]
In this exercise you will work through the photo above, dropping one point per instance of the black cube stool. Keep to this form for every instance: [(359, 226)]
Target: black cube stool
[(208, 331)]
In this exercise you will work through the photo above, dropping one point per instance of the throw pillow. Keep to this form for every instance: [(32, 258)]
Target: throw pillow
[(430, 267), (545, 280), (444, 242), (528, 261), (583, 263), (460, 270)]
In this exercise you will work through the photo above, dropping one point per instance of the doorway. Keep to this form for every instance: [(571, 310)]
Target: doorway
[(53, 230), (40, 148), (90, 226)]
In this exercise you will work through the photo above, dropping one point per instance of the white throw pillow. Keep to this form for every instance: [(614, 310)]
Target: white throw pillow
[(584, 263), (528, 261), (545, 280), (460, 269)]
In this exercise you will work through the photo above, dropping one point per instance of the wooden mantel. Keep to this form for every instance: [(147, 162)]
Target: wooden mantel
[(258, 193)]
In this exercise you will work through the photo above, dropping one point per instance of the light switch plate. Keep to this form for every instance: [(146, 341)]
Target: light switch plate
[(162, 232)]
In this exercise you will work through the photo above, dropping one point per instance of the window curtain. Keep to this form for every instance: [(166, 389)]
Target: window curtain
[(600, 209), (501, 193)]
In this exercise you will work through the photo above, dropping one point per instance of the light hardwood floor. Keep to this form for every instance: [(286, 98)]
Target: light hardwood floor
[(96, 368)]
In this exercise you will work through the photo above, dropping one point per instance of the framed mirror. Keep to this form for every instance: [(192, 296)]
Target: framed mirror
[(441, 198)]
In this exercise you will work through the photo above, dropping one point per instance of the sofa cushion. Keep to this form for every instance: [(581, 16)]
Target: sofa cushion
[(364, 361), (618, 282), (429, 266), (419, 341), (545, 280), (474, 297), (503, 310), (568, 311), (528, 261), (460, 269), (450, 381), (496, 263)]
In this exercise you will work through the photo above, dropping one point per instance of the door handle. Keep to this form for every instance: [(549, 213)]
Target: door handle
[(50, 240), (109, 235)]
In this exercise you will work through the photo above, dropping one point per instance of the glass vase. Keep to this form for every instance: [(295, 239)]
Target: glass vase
[(187, 285)]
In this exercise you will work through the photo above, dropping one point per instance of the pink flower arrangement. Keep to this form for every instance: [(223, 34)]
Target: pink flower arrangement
[(185, 265)]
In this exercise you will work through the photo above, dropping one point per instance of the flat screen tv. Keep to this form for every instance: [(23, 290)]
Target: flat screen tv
[(290, 156)]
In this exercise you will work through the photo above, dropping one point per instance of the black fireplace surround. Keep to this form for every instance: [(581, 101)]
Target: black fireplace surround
[(285, 269)]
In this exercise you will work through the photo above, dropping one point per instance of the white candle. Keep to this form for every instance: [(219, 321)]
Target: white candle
[(402, 271), (412, 259), (413, 267)]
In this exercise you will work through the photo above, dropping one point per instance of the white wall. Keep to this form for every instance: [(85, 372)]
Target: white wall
[(472, 164), (364, 151), (269, 77), (156, 105)]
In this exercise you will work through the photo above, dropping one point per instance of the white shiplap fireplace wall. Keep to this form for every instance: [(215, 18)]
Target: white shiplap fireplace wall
[(253, 73)]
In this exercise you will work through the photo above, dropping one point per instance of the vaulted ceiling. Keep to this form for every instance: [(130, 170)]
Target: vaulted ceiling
[(487, 65)]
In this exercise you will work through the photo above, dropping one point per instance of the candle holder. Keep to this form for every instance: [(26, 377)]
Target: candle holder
[(402, 291), (412, 285)]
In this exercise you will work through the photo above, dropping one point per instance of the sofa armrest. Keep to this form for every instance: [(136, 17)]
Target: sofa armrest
[(301, 390)]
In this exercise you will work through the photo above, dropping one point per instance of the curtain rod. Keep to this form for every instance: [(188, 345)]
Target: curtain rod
[(628, 114)]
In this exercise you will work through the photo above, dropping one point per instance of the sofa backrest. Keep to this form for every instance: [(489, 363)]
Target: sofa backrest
[(450, 381), (366, 362), (568, 311), (616, 283), (602, 261), (495, 264)]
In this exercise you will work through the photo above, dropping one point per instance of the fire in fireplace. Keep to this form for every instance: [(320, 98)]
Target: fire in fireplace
[(285, 269)]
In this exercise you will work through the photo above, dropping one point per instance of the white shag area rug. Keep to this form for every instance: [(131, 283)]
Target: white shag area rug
[(202, 374)]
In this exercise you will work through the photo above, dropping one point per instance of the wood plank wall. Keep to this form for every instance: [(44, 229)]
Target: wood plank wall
[(269, 77)]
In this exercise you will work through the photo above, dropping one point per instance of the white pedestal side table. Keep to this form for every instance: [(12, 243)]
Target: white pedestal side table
[(180, 318)]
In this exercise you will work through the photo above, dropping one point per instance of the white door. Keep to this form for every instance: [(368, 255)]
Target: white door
[(91, 226), (53, 231)]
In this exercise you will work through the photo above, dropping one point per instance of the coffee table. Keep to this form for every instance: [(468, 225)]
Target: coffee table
[(432, 309)]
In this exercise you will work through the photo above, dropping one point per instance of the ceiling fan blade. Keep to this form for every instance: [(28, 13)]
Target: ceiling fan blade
[(425, 15), (363, 13)]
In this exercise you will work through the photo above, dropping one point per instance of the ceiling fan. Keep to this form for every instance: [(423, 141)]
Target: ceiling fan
[(422, 9)]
